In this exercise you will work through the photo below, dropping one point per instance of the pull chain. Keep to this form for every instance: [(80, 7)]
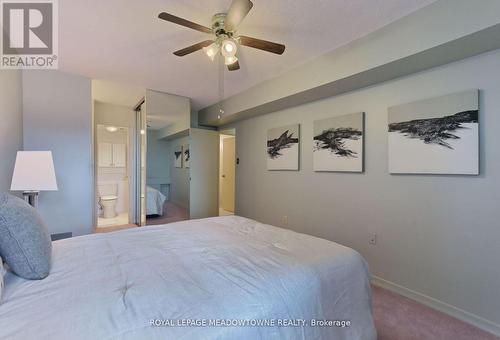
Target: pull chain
[(221, 87)]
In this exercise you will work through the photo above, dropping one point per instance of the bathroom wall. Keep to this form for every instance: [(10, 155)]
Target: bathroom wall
[(116, 115)]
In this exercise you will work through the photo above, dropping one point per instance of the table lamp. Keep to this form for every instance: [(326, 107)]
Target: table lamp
[(33, 172)]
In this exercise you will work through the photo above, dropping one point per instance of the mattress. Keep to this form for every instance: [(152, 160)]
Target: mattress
[(154, 200), (218, 278)]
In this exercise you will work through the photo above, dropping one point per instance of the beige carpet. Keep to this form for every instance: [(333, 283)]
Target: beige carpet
[(399, 318)]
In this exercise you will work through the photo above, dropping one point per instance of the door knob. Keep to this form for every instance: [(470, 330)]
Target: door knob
[(223, 176)]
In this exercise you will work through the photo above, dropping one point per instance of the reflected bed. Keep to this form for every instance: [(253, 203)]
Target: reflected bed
[(154, 200)]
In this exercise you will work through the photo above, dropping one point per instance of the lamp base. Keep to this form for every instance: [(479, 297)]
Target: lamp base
[(31, 197)]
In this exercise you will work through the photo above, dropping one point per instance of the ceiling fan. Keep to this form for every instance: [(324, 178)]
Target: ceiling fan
[(225, 40)]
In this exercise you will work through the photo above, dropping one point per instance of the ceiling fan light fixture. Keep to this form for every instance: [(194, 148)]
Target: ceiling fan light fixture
[(224, 38), (230, 60), (229, 48), (211, 50)]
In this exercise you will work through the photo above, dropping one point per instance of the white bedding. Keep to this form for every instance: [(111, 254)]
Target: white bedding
[(154, 201), (111, 286), (2, 273)]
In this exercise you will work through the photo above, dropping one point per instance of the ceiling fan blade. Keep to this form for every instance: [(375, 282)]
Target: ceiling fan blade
[(193, 48), (262, 44), (183, 22), (236, 13), (234, 66)]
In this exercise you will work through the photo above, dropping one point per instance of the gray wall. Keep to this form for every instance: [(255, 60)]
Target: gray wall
[(204, 173), (179, 177), (158, 160), (11, 126), (437, 235), (57, 116)]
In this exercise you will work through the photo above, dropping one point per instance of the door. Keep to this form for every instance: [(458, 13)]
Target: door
[(227, 176), (204, 173)]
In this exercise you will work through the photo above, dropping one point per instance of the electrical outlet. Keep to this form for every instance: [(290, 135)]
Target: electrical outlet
[(373, 239), (284, 220)]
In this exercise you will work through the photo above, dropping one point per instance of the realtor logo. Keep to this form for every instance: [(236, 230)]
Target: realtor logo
[(29, 39)]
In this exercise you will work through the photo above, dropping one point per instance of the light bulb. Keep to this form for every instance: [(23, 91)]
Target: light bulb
[(211, 50), (229, 48), (230, 60), (143, 132), (112, 128)]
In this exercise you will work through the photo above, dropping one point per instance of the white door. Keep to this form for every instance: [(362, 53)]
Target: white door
[(119, 155), (204, 173), (227, 176), (105, 155)]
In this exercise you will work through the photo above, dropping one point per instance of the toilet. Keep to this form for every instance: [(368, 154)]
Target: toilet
[(108, 197)]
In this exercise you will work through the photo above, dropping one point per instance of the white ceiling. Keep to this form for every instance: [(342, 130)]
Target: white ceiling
[(124, 41)]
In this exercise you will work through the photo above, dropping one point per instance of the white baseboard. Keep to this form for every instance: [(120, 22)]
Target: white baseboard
[(477, 321)]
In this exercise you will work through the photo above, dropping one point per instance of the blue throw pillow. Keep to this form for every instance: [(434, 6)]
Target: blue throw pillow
[(25, 243)]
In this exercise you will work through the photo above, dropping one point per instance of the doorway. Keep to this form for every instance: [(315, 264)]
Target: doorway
[(227, 164), (113, 171)]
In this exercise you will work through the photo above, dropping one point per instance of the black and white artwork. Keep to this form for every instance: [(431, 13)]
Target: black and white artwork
[(338, 143), (283, 148), (186, 156), (178, 156), (436, 136)]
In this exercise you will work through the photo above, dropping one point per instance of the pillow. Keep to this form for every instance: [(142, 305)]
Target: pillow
[(2, 273), (25, 243)]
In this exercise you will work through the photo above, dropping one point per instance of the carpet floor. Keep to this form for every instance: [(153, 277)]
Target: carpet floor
[(399, 318), (171, 213)]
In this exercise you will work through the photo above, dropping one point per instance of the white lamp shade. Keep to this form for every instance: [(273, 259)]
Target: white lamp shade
[(230, 60), (34, 171), (211, 50)]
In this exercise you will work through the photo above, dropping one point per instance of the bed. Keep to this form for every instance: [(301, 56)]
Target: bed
[(154, 202), (218, 278)]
